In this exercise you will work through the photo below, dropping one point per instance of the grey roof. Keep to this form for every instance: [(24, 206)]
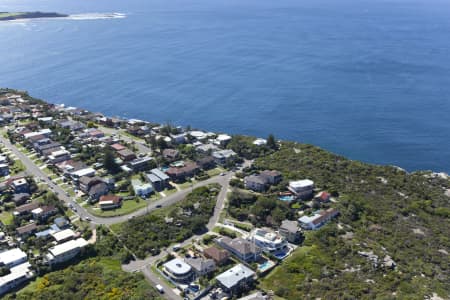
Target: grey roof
[(291, 226), (256, 178), (235, 275), (153, 178), (200, 264), (240, 245), (160, 174)]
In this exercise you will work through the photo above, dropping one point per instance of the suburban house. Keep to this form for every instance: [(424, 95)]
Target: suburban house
[(85, 183), (126, 155), (20, 198), (171, 154), (97, 190), (241, 248), (271, 176), (220, 256), (317, 220), (44, 212), (302, 189), (178, 270), (63, 235), (88, 172), (12, 257), (4, 169), (26, 230), (65, 251), (140, 164), (58, 156), (223, 156), (20, 185), (181, 173), (236, 278), (110, 202), (268, 240), (322, 197), (95, 133), (206, 148), (25, 209), (164, 179), (260, 182), (222, 140), (201, 266), (291, 231), (141, 189), (17, 275), (118, 147), (206, 162), (255, 183)]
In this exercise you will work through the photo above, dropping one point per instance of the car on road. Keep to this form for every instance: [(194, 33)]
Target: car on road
[(88, 219), (222, 174), (160, 288), (158, 206)]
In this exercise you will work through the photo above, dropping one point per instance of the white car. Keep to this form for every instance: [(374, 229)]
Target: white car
[(160, 288)]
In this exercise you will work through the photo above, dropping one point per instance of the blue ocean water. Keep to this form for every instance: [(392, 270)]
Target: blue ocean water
[(369, 79)]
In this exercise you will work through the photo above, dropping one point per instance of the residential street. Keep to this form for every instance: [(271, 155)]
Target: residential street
[(34, 170), (137, 265)]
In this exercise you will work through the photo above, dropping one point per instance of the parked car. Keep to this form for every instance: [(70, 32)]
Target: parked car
[(160, 288)]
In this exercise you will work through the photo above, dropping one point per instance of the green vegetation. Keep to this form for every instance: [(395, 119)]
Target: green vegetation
[(384, 210), (90, 279), (148, 234), (261, 210), (128, 206)]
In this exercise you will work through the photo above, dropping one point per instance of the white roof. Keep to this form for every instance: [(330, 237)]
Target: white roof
[(45, 119), (177, 267), (309, 219), (233, 276), (17, 272), (11, 256), (198, 134), (60, 152), (301, 183), (223, 137), (63, 234), (84, 172), (42, 131), (67, 246), (37, 211), (259, 142)]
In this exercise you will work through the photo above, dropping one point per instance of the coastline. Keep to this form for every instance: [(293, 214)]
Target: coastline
[(442, 174)]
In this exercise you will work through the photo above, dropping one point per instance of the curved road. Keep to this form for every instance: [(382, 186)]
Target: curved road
[(33, 169)]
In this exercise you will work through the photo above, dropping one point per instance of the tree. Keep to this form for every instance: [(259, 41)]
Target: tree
[(271, 142), (109, 162)]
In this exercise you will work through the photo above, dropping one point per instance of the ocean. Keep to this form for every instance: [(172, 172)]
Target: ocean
[(368, 79)]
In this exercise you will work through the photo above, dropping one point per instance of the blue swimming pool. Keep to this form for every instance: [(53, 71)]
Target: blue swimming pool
[(286, 198), (264, 266)]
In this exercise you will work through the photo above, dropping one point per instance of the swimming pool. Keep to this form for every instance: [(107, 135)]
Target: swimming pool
[(265, 265), (286, 198)]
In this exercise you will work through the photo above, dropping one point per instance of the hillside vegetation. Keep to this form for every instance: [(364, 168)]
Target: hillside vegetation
[(384, 210), (148, 234), (90, 279)]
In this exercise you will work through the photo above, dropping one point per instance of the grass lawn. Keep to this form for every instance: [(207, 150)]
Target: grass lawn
[(215, 171), (187, 184), (279, 278), (168, 192), (128, 206), (6, 217)]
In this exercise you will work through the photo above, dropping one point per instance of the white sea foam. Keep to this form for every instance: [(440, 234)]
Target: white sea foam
[(96, 16)]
